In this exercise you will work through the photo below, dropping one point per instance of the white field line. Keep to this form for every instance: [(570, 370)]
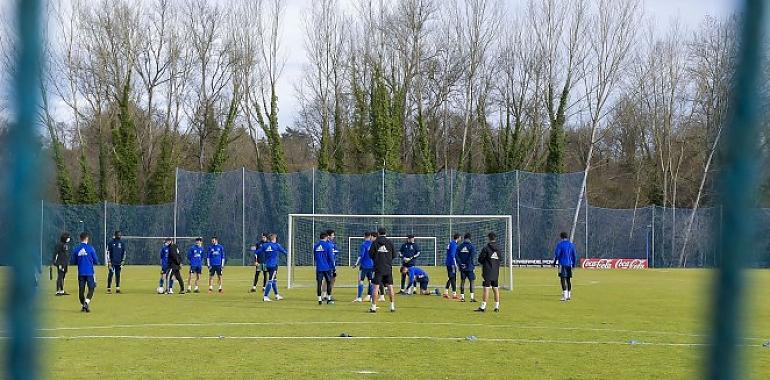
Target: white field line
[(311, 323), (433, 338)]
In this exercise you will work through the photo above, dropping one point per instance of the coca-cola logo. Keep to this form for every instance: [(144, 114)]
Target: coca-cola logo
[(613, 263)]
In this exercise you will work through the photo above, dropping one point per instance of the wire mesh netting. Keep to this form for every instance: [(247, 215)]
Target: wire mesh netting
[(432, 234), (237, 206)]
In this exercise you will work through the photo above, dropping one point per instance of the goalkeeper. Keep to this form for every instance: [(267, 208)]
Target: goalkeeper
[(60, 260), (259, 264), (116, 255), (409, 253)]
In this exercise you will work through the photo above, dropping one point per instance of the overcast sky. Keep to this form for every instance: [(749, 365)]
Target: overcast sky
[(689, 12)]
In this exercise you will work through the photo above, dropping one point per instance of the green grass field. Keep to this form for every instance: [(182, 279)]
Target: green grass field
[(140, 334)]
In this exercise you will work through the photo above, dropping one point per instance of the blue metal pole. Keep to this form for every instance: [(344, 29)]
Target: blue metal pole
[(738, 184), (24, 193)]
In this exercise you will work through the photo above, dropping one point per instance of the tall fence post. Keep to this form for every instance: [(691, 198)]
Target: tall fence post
[(104, 230), (652, 249), (585, 201), (176, 196), (42, 219), (518, 215), (243, 215), (313, 204), (383, 188)]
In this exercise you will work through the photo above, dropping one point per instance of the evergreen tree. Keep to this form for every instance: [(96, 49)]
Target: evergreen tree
[(86, 190), (63, 179), (126, 149)]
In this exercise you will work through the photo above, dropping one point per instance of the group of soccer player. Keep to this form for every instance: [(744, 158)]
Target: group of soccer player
[(375, 264)]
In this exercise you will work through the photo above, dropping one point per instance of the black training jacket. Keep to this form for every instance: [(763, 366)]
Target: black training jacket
[(489, 259), (174, 260), (61, 255), (382, 253)]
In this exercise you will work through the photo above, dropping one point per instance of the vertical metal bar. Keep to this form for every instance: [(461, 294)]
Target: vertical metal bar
[(176, 197), (23, 191), (518, 217), (42, 208), (652, 262), (290, 246), (451, 200), (585, 201), (738, 185), (243, 215), (313, 185), (104, 230), (509, 232), (383, 189)]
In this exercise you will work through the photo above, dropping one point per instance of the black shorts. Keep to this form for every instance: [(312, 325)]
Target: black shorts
[(451, 271), (565, 272), (196, 269), (489, 283), (366, 273), (321, 275), (467, 274), (215, 269), (383, 279), (423, 283)]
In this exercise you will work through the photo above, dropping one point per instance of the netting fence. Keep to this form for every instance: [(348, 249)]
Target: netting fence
[(238, 205)]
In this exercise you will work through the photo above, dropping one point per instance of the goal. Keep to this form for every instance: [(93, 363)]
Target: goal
[(145, 250), (432, 233)]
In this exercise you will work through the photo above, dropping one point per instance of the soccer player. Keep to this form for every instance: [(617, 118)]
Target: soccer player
[(382, 253), (259, 264), (489, 259), (215, 261), (60, 261), (331, 237), (416, 276), (366, 268), (174, 267), (164, 264), (408, 253), (271, 250), (466, 257), (195, 258), (565, 258), (84, 256), (116, 255), (451, 266), (322, 255)]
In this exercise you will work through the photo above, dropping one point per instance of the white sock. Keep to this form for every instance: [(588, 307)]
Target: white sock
[(473, 296), (497, 305), (454, 294), (569, 294), (320, 298), (446, 292), (392, 305), (483, 305), (88, 301)]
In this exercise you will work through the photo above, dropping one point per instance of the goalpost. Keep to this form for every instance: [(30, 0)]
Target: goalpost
[(432, 233)]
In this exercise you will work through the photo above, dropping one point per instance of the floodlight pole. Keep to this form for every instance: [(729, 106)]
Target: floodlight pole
[(176, 196), (243, 215)]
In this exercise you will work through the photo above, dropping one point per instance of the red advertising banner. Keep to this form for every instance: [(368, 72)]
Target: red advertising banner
[(613, 264)]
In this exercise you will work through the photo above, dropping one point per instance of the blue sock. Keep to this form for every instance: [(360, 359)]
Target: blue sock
[(369, 290), (360, 289), (160, 283), (275, 287), (267, 290), (170, 283)]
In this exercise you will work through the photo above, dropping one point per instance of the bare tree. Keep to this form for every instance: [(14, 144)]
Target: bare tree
[(611, 35)]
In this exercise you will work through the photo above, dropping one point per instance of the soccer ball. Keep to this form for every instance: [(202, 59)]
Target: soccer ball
[(161, 290)]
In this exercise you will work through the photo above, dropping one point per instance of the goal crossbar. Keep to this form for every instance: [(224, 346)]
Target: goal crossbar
[(507, 218), (360, 238)]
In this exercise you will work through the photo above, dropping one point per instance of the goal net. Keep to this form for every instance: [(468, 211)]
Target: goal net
[(432, 233), (145, 250)]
